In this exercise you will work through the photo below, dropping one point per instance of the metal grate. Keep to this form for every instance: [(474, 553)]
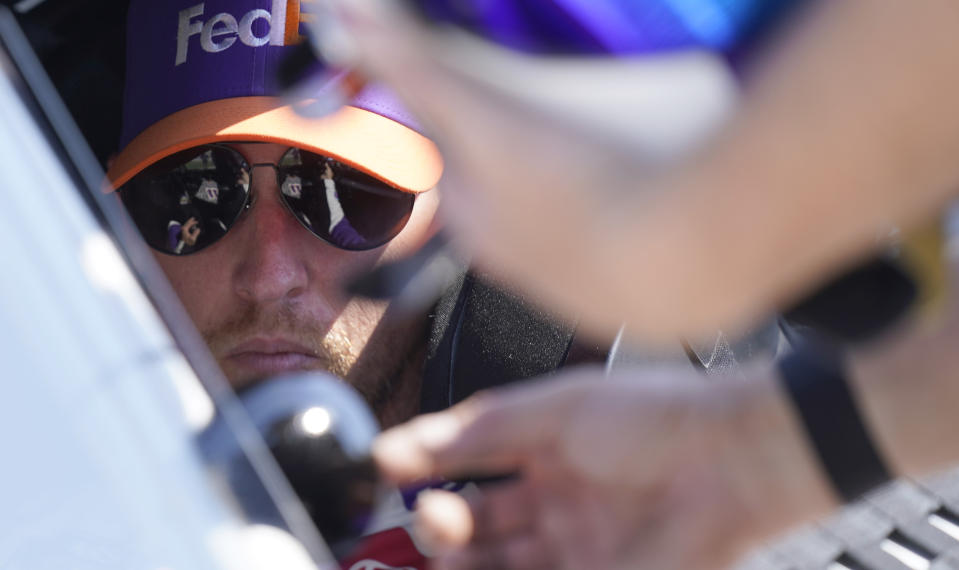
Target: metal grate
[(905, 525)]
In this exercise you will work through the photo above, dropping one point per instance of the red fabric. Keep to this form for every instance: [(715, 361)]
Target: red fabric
[(391, 549)]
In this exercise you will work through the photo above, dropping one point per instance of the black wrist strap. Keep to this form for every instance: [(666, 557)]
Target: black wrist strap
[(813, 376)]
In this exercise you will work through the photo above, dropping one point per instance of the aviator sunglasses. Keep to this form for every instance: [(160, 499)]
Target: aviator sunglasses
[(189, 200)]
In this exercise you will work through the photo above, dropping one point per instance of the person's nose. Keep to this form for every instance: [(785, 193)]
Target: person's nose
[(271, 257)]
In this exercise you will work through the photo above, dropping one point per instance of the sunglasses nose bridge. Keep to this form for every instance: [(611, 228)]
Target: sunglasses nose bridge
[(253, 187), (274, 166)]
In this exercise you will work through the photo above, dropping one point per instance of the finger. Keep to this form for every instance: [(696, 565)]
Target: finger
[(444, 520), (504, 510), (488, 433), (526, 552), (381, 34)]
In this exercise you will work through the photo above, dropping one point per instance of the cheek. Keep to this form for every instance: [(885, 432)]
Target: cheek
[(197, 282), (357, 322), (379, 346)]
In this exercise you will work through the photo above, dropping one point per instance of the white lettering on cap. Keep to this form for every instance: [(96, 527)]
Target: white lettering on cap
[(211, 32), (246, 28), (185, 29), (221, 31)]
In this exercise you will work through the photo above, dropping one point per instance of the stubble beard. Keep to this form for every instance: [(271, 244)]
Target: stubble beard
[(376, 376)]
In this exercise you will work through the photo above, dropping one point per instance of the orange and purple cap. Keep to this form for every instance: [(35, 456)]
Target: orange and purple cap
[(205, 72)]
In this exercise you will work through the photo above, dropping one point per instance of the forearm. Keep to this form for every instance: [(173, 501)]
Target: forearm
[(846, 129)]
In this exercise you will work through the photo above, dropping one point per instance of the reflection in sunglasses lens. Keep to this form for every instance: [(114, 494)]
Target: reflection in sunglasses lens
[(190, 199), (340, 204)]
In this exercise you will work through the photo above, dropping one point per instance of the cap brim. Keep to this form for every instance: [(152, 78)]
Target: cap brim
[(364, 140)]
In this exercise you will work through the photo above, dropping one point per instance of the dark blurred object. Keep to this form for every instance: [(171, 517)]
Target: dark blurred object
[(859, 304), (909, 279), (301, 62), (81, 45), (320, 431), (337, 489), (415, 282)]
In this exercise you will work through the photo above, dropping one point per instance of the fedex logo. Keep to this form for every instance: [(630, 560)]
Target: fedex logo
[(221, 31)]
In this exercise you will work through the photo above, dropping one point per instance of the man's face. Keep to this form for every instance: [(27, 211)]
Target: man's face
[(268, 297)]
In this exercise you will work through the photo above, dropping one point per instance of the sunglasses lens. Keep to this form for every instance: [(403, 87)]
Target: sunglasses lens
[(340, 204), (188, 200)]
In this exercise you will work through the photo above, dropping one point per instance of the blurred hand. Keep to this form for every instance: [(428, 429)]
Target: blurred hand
[(719, 240), (520, 183), (655, 470)]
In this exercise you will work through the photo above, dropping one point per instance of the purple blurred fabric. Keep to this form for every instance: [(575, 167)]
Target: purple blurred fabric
[(610, 26)]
